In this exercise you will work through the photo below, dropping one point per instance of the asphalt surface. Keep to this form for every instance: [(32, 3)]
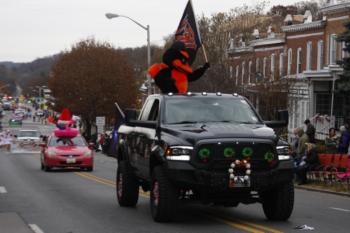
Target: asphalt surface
[(72, 201)]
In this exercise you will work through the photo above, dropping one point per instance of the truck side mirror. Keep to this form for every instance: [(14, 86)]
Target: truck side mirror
[(130, 115), (282, 120)]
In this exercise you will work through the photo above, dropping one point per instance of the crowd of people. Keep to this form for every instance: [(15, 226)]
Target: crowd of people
[(304, 149)]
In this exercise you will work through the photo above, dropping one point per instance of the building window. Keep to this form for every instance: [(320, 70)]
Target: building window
[(323, 103), (231, 72), (289, 61), (320, 55), (273, 66), (309, 56), (237, 73), (332, 49), (344, 53), (249, 71), (281, 65), (264, 67), (243, 72), (299, 61), (257, 65)]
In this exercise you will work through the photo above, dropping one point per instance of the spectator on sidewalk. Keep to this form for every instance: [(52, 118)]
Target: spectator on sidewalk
[(310, 130), (308, 162), (331, 141), (301, 146), (344, 140)]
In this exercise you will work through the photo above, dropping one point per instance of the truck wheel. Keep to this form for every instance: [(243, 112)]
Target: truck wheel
[(278, 203), (127, 187), (163, 197)]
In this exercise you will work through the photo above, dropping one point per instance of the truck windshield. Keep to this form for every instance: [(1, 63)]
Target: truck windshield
[(215, 109)]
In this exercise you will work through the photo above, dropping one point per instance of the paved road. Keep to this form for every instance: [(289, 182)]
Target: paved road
[(80, 202)]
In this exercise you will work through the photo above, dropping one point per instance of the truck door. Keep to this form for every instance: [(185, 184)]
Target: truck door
[(148, 137), (144, 137)]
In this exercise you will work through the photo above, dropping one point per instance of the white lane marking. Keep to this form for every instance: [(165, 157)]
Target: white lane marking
[(35, 228), (340, 209), (3, 189)]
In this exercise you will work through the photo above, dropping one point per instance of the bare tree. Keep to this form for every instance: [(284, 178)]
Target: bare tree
[(89, 78)]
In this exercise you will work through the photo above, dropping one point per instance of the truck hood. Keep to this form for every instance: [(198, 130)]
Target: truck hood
[(199, 131)]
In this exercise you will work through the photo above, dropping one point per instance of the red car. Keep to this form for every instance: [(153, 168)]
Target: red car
[(66, 152)]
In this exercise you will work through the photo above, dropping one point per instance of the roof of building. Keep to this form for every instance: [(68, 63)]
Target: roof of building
[(303, 26), (334, 6)]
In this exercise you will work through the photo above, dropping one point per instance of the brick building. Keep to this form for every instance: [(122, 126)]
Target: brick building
[(303, 57)]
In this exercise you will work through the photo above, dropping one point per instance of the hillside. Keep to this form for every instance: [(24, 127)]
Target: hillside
[(26, 75)]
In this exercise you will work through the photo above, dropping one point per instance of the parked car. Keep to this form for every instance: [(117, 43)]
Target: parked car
[(66, 152)]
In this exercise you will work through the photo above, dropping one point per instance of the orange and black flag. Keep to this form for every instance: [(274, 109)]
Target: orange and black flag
[(188, 33)]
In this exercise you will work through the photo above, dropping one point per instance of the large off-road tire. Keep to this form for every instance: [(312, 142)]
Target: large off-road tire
[(127, 185), (163, 197), (278, 203)]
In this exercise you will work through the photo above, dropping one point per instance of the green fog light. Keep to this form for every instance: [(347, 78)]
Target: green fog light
[(247, 151), (204, 153), (229, 152), (269, 156)]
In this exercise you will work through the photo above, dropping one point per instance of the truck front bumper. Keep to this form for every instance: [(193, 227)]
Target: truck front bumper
[(185, 175)]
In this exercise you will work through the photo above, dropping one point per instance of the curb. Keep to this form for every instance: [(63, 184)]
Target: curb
[(322, 191)]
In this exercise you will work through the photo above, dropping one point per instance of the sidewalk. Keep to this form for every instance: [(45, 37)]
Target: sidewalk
[(323, 189), (13, 223)]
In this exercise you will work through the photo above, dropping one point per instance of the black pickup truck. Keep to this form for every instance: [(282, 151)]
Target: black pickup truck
[(210, 147)]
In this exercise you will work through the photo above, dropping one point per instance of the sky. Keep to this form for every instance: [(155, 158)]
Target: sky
[(31, 29)]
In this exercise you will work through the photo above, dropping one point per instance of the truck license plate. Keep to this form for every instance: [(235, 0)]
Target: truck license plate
[(238, 183), (70, 160)]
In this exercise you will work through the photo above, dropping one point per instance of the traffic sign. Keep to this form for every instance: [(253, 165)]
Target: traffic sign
[(100, 120)]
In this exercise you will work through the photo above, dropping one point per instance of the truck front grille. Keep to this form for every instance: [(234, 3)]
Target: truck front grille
[(219, 155)]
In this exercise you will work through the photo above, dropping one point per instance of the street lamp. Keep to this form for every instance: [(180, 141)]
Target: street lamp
[(147, 28)]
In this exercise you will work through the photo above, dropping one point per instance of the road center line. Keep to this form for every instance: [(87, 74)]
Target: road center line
[(3, 189), (96, 177), (35, 228), (96, 180), (235, 224), (243, 225), (339, 209), (261, 227)]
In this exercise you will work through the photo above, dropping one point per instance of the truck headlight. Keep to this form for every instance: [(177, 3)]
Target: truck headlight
[(283, 152), (179, 153)]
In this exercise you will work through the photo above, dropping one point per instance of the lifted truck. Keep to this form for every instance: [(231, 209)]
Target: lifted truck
[(210, 147)]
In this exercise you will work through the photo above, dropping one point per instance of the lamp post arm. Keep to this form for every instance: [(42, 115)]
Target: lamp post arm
[(134, 21)]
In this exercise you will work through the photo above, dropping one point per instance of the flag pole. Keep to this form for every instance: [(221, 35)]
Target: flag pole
[(203, 48), (120, 110), (204, 53)]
